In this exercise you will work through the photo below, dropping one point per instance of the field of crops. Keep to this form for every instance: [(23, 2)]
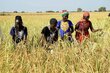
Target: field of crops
[(93, 56)]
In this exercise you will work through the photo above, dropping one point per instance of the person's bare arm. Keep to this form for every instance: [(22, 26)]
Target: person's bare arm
[(92, 29), (42, 40), (76, 28), (95, 30), (25, 39), (25, 36)]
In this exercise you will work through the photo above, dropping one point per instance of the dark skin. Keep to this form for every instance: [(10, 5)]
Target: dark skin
[(53, 28), (43, 40), (65, 18), (19, 26), (86, 19), (93, 30)]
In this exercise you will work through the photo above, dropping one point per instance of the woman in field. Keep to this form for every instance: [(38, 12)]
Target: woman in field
[(49, 34), (19, 31), (82, 28), (65, 27)]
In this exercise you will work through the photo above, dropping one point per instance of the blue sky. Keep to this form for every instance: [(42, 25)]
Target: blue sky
[(57, 5)]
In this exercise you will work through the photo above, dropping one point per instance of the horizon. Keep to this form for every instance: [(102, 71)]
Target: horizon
[(55, 5)]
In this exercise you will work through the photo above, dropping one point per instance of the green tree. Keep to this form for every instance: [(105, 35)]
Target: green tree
[(15, 11), (79, 10), (102, 9)]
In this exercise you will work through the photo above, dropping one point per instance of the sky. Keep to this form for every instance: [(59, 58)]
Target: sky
[(56, 5)]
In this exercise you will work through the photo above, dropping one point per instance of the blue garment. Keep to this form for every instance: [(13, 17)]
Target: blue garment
[(62, 32), (12, 31), (21, 34)]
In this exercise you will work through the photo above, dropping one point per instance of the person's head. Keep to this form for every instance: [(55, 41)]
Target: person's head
[(18, 21), (65, 16), (86, 15), (109, 15), (53, 23)]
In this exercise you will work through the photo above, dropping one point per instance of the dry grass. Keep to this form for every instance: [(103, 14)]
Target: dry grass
[(93, 56)]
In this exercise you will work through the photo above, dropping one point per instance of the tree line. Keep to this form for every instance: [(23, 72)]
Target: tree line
[(100, 9)]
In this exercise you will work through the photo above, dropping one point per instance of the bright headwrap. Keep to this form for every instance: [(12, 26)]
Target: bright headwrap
[(65, 13), (86, 13)]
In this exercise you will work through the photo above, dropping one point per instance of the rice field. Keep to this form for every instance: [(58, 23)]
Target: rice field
[(93, 56)]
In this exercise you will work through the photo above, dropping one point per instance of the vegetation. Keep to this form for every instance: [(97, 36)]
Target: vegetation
[(79, 10), (102, 9), (93, 56)]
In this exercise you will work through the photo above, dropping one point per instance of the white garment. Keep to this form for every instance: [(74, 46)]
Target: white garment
[(20, 34)]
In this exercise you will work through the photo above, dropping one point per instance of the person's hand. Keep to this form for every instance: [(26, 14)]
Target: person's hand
[(69, 33), (96, 30), (99, 29), (25, 41), (79, 31)]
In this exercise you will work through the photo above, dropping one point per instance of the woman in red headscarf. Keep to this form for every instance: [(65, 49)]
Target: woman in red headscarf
[(82, 28)]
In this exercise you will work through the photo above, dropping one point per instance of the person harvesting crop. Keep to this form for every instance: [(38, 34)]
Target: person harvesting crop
[(65, 27), (49, 34), (19, 31), (83, 26)]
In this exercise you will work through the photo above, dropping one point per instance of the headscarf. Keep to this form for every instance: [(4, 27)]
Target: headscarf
[(86, 14), (65, 14)]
